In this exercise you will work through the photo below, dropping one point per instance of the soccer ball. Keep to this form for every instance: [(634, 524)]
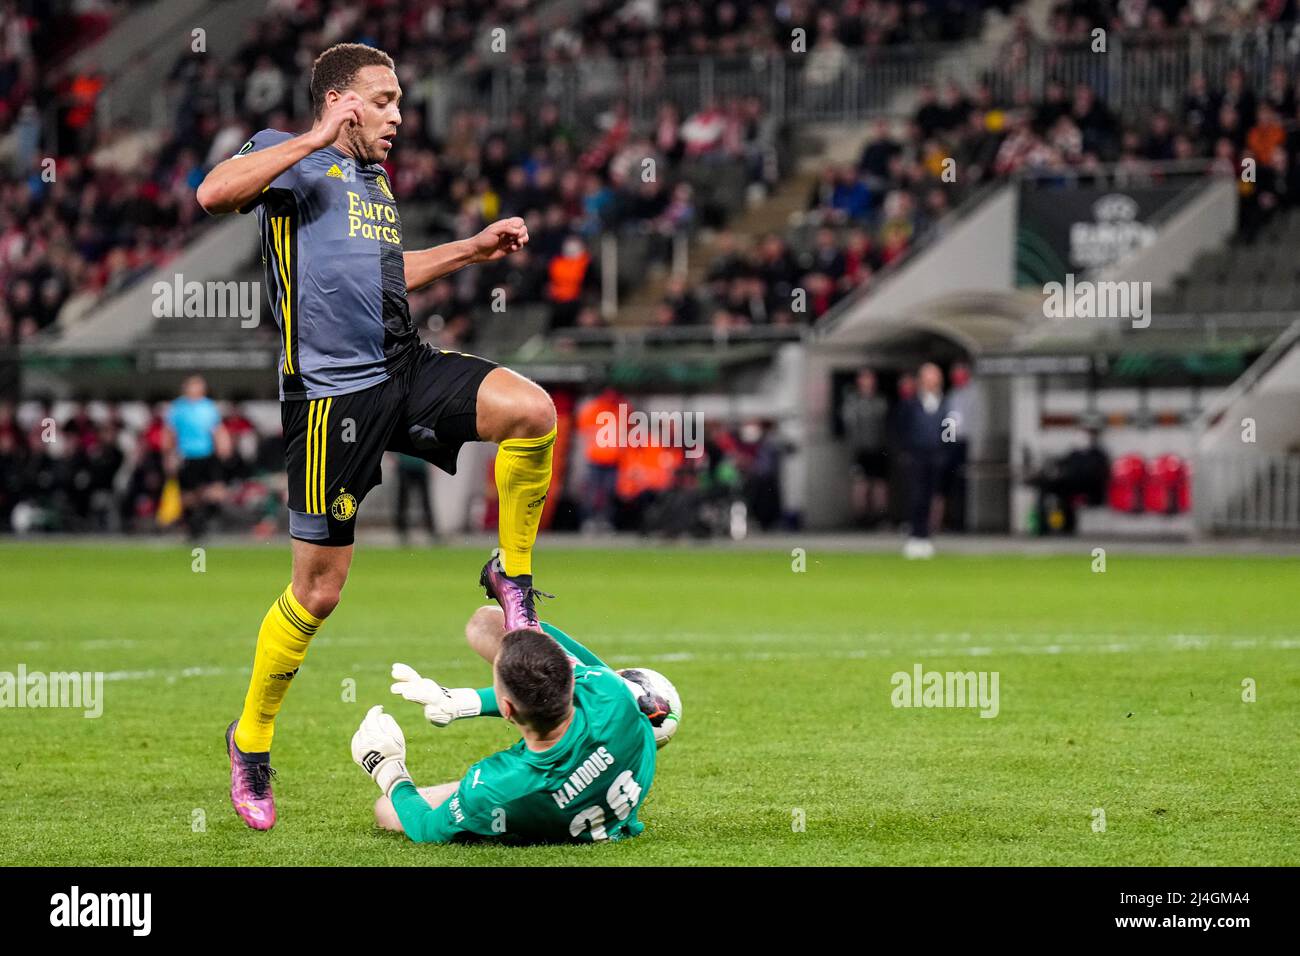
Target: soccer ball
[(658, 700)]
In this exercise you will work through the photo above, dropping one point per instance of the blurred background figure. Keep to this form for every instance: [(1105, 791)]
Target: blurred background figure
[(413, 482), (864, 412), (197, 443), (762, 473), (924, 438), (900, 456), (1079, 478), (241, 463), (570, 277), (600, 460), (148, 474), (963, 411)]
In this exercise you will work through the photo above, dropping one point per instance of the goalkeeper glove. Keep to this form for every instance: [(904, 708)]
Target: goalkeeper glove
[(379, 749), (441, 705)]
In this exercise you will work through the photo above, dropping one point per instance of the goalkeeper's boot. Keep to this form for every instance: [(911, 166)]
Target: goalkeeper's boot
[(250, 784), (516, 595)]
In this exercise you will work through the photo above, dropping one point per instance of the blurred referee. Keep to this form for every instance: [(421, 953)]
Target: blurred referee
[(195, 434)]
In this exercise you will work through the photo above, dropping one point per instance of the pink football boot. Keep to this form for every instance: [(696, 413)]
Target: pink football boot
[(516, 595), (250, 784)]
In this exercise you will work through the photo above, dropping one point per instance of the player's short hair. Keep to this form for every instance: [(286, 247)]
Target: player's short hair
[(337, 67), (537, 674)]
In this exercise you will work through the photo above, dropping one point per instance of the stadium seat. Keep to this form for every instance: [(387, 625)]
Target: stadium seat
[(1172, 301), (1167, 486), (1277, 296), (1203, 297), (1127, 483), (1218, 266), (1271, 263)]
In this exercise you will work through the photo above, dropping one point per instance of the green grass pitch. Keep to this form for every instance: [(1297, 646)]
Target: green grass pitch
[(1120, 692)]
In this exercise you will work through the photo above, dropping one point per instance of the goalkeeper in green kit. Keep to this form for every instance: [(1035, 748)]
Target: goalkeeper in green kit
[(581, 771)]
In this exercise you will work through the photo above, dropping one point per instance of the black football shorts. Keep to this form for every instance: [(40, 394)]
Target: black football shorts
[(334, 447), (198, 473)]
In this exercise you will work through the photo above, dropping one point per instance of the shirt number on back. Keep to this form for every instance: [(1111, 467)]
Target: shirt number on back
[(593, 817), (622, 796)]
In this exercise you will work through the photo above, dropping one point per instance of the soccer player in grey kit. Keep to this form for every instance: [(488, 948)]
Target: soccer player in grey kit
[(337, 276)]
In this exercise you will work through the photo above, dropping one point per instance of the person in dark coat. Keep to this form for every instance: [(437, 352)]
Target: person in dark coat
[(924, 436)]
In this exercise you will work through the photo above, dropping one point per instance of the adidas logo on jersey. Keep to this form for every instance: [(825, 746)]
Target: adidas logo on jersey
[(334, 172)]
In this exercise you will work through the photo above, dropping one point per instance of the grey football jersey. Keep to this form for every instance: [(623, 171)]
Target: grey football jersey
[(332, 251)]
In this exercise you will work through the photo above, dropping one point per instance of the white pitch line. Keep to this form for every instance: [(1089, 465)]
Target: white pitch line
[(169, 676), (980, 651), (1150, 642)]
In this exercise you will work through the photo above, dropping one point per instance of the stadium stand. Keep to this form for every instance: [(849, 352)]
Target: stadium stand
[(864, 217), (106, 222), (37, 40), (1074, 20), (112, 239), (758, 228)]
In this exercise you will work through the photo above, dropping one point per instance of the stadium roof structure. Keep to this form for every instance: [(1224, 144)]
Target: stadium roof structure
[(976, 322)]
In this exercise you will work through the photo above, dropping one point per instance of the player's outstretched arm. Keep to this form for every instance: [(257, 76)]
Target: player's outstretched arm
[(471, 810), (236, 182), (495, 242), (421, 822), (386, 815), (441, 704)]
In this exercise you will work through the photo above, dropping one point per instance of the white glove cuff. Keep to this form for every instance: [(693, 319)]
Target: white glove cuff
[(465, 701), (390, 773)]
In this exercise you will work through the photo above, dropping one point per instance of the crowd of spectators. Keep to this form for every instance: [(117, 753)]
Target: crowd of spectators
[(722, 478), (202, 467), (88, 231), (571, 188), (36, 39), (766, 282), (104, 466), (1074, 20), (267, 74), (93, 228), (646, 28), (862, 217), (50, 231)]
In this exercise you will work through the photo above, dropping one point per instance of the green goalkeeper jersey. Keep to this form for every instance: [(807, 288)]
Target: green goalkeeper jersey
[(587, 787)]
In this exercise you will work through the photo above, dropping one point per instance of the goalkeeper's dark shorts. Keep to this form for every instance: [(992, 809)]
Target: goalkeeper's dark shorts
[(334, 447)]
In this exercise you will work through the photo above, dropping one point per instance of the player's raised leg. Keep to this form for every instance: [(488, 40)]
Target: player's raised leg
[(485, 630), (520, 416), (319, 573)]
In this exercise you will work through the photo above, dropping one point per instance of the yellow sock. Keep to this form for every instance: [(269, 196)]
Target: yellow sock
[(282, 643), (523, 474)]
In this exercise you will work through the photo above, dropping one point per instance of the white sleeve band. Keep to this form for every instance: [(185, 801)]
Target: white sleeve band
[(466, 701), (390, 773)]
